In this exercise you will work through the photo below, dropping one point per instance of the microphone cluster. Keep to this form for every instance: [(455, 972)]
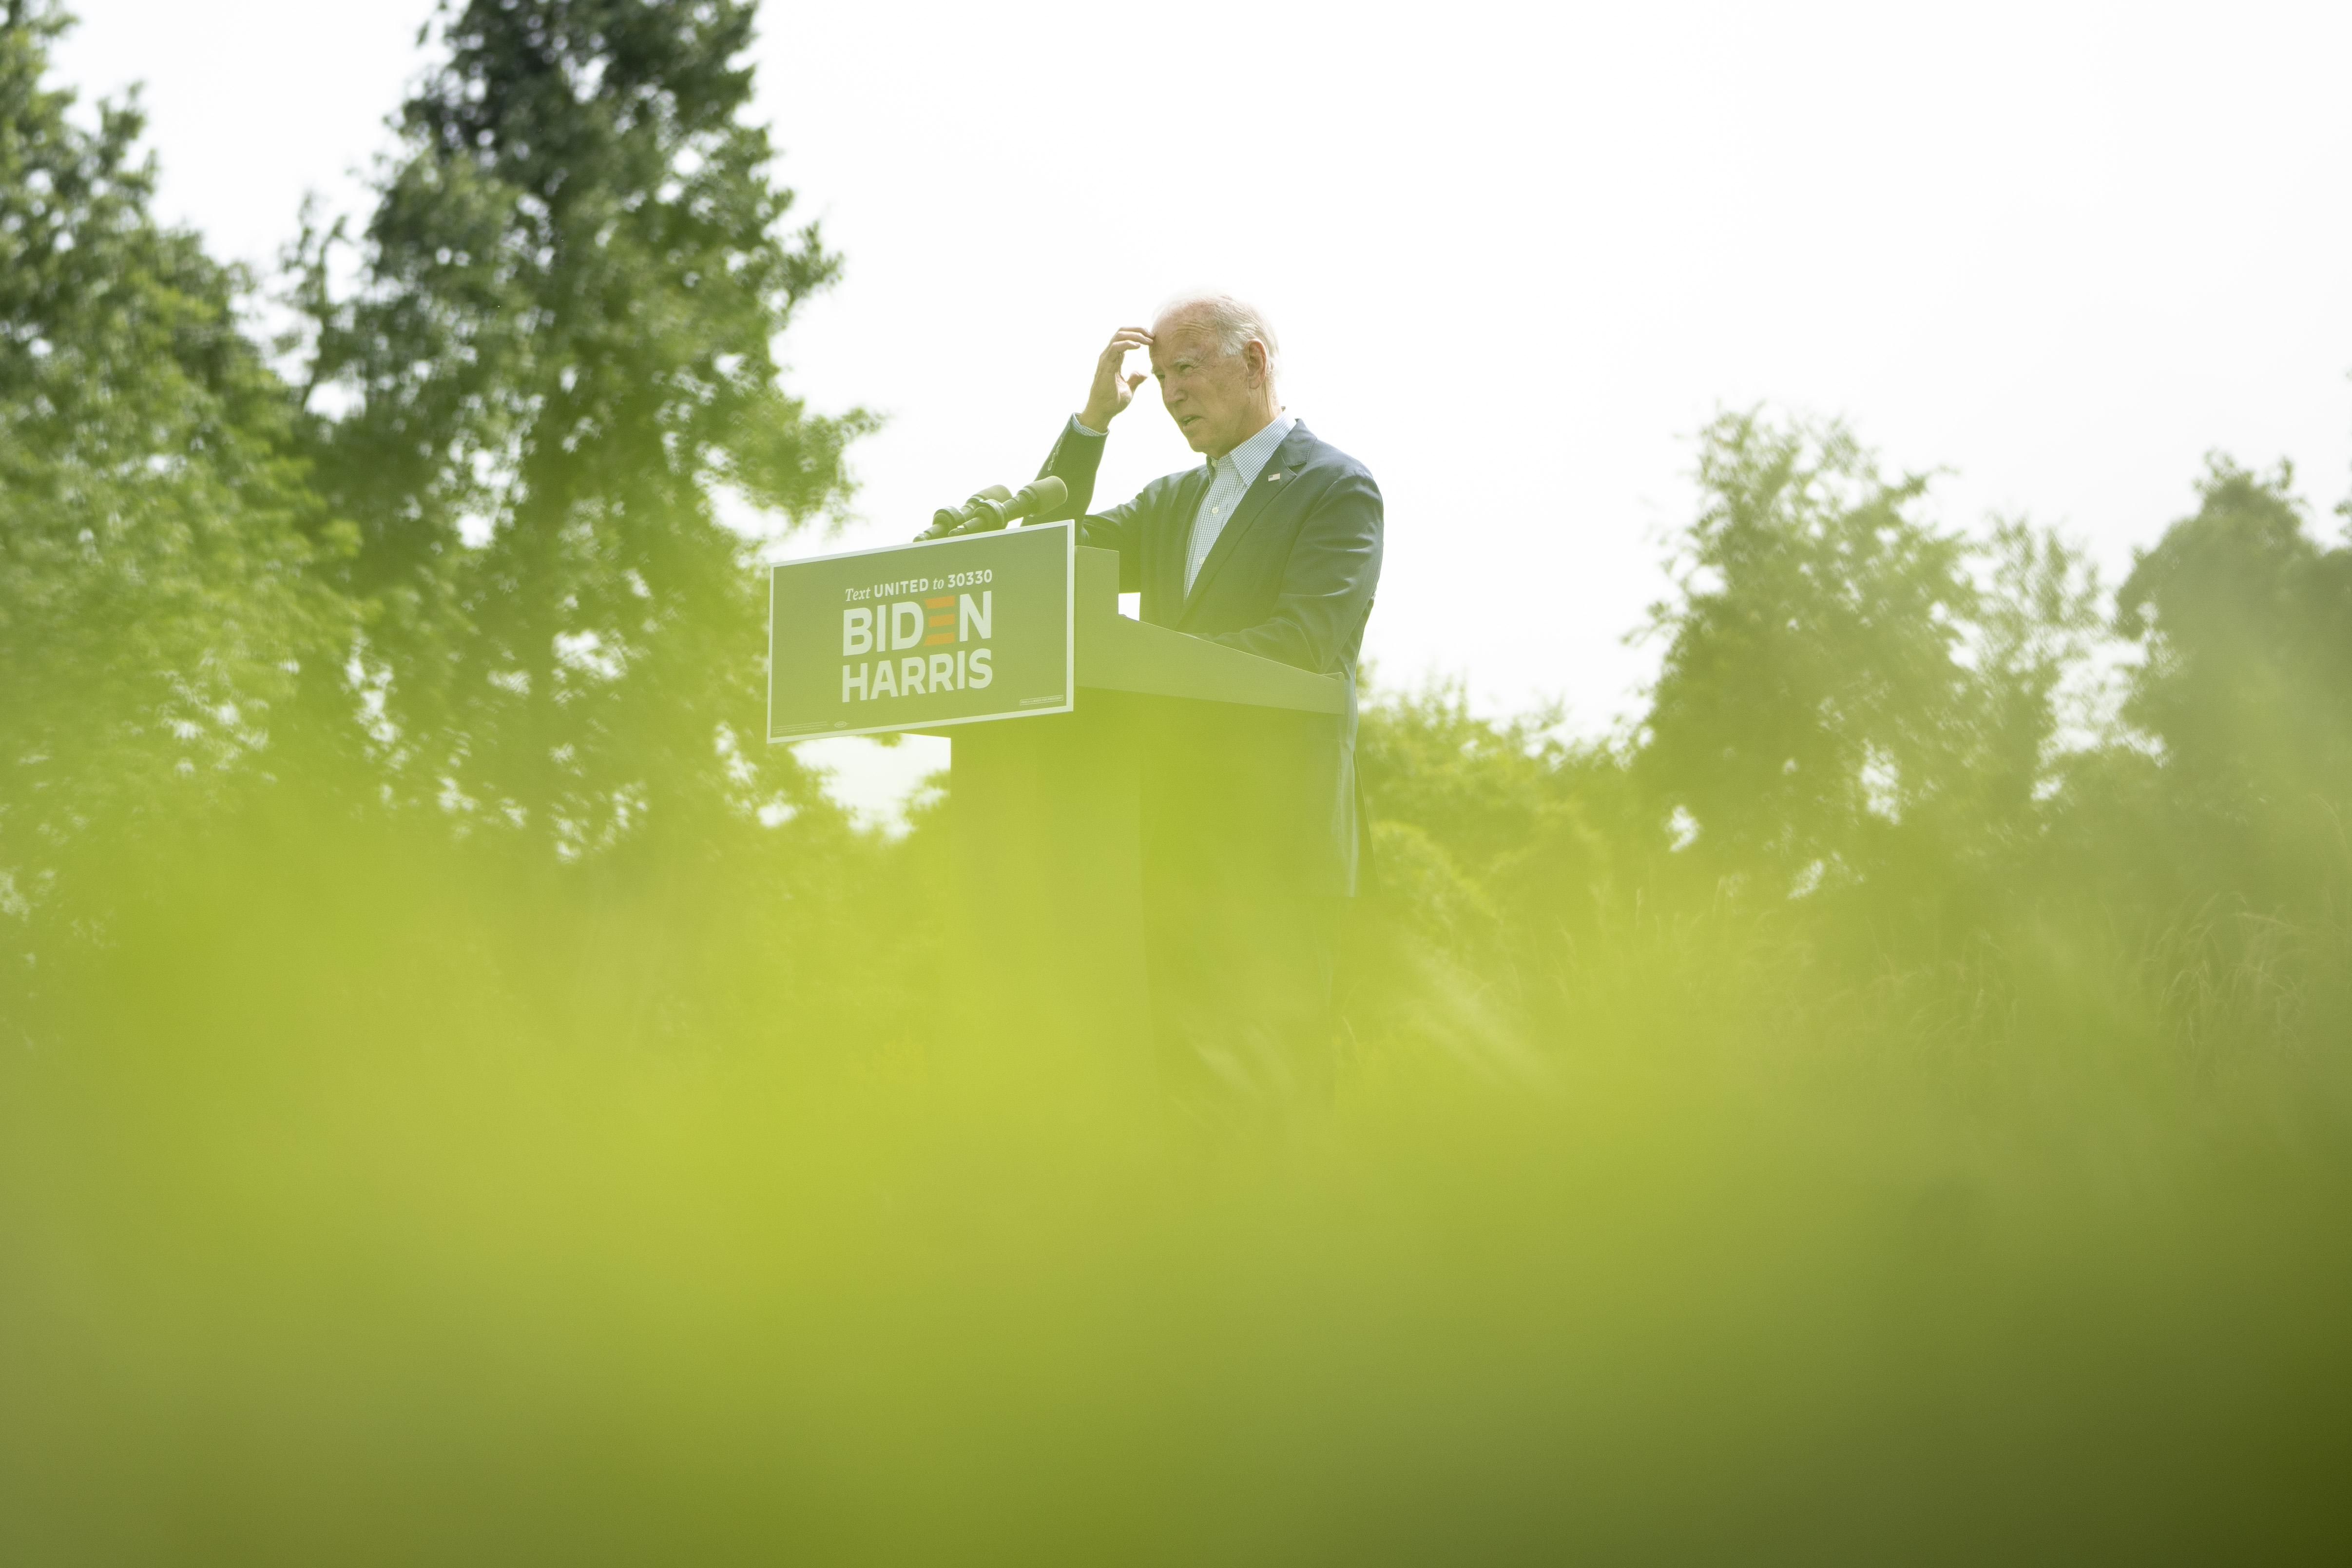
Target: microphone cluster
[(994, 507)]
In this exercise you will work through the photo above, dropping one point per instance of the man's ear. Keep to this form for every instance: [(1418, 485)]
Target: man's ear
[(1254, 352)]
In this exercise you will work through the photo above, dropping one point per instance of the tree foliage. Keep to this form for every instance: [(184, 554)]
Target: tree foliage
[(2246, 688), (563, 341), (1850, 691), (493, 536), (157, 599)]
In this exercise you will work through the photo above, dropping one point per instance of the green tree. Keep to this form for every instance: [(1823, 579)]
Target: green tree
[(557, 361), (1840, 694), (1812, 654), (156, 539), (2246, 687), (1488, 829), (2037, 622)]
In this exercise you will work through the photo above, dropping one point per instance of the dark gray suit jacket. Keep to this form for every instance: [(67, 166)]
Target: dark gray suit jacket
[(1291, 578)]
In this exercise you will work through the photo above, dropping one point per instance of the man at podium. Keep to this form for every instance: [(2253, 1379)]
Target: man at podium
[(1252, 843)]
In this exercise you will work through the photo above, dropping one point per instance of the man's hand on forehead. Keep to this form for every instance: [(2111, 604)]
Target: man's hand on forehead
[(1114, 385)]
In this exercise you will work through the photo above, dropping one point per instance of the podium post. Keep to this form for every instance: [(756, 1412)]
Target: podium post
[(1059, 800)]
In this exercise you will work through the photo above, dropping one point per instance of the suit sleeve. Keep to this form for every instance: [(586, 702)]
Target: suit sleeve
[(1076, 455), (1328, 583)]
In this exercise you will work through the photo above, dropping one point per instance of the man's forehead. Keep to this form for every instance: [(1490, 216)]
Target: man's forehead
[(1179, 337)]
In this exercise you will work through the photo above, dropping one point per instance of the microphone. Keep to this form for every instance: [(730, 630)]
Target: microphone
[(1038, 495), (948, 519)]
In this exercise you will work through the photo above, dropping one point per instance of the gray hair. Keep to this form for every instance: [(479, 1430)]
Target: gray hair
[(1234, 322)]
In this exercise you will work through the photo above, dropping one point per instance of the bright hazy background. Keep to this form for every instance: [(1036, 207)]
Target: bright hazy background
[(1518, 254)]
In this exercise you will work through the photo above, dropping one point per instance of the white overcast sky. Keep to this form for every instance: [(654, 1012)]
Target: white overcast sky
[(1518, 254)]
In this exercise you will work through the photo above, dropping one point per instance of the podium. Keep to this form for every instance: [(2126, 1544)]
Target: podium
[(1058, 823), (1104, 772)]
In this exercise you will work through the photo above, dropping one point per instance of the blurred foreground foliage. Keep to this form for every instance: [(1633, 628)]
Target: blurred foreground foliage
[(462, 1099)]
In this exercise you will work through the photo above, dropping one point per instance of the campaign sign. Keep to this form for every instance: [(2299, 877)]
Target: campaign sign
[(953, 631)]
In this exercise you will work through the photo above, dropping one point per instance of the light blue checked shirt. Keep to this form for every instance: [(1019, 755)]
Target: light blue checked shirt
[(1230, 477)]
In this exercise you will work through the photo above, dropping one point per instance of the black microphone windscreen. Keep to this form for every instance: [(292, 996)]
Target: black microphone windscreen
[(951, 518), (1042, 495)]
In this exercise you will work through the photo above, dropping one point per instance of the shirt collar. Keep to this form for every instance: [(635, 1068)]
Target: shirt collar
[(1249, 459)]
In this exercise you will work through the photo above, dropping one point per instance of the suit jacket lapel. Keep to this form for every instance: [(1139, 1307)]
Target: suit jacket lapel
[(1280, 469), (1173, 542)]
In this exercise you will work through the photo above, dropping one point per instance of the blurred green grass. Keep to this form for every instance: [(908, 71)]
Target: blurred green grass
[(351, 1230)]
